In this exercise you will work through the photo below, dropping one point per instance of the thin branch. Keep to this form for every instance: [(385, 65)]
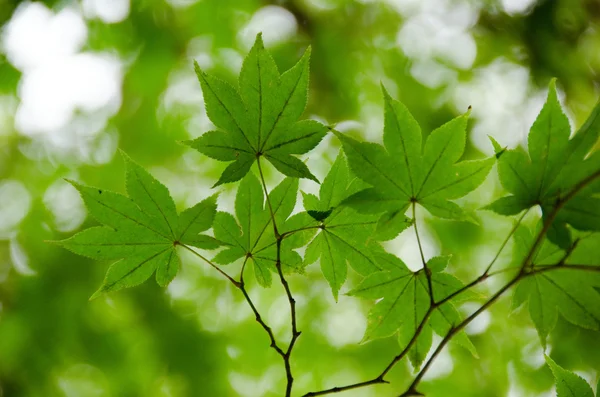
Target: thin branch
[(427, 271), (568, 252), (412, 388), (234, 282), (522, 274), (546, 268), (301, 229), (257, 315), (506, 240), (241, 285), (339, 389), (295, 333)]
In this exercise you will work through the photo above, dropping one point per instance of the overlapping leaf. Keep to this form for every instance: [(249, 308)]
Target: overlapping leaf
[(259, 120), (253, 237), (568, 384), (141, 230), (344, 233), (401, 173), (570, 292), (553, 167), (405, 301)]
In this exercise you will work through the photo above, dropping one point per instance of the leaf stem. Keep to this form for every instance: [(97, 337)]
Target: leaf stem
[(427, 271), (257, 315), (264, 185), (286, 287), (231, 279), (506, 240), (522, 274), (411, 391)]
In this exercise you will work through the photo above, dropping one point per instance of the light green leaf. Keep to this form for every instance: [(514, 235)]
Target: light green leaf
[(391, 224), (344, 234), (548, 140), (509, 205), (261, 120), (195, 220), (568, 384), (569, 292), (400, 174), (555, 165), (219, 146), (404, 301), (141, 230), (254, 237)]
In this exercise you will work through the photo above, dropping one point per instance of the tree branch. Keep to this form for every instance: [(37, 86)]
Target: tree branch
[(288, 292)]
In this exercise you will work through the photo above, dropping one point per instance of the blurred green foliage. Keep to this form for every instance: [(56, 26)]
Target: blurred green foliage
[(198, 338)]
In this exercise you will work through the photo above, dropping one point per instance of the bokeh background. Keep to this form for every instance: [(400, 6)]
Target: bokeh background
[(80, 79)]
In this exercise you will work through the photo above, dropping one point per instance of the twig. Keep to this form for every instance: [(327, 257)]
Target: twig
[(234, 282), (522, 274), (257, 315), (291, 300), (427, 271), (506, 240)]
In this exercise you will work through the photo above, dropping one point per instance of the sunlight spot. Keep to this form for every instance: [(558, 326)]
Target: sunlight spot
[(19, 258), (532, 354), (481, 323), (276, 23), (505, 103), (406, 245), (278, 315), (51, 94), (82, 380), (343, 323), (109, 11), (432, 74), (517, 6), (254, 386), (16, 202), (233, 351), (442, 365), (66, 205), (35, 36)]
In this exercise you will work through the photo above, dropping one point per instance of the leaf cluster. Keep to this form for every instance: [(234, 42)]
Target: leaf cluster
[(368, 197)]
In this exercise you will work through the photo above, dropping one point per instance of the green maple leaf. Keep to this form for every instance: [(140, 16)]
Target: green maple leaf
[(344, 233), (259, 120), (404, 302), (401, 172), (254, 236), (554, 165), (142, 230), (572, 293), (569, 384)]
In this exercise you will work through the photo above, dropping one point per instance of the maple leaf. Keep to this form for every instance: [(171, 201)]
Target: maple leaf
[(142, 230), (254, 237), (344, 233), (553, 166), (569, 384), (405, 301), (401, 173), (570, 292), (259, 120)]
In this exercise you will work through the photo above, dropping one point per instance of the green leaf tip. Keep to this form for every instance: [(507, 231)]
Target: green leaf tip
[(568, 384), (498, 149)]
